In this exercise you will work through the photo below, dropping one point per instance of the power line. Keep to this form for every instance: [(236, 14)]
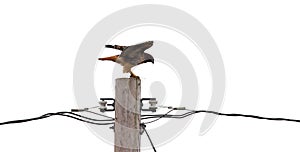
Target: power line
[(245, 115), (23, 120), (159, 117), (144, 128), (65, 114), (167, 115), (90, 122), (111, 119), (191, 112), (99, 114)]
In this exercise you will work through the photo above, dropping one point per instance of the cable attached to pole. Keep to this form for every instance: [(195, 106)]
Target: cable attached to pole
[(157, 117), (144, 128)]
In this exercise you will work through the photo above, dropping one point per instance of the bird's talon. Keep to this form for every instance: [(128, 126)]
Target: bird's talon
[(137, 77), (133, 75)]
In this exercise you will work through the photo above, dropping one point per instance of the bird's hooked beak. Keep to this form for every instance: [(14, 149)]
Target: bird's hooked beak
[(152, 61), (149, 60)]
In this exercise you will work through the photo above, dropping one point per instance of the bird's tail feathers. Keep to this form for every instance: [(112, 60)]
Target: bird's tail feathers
[(111, 58)]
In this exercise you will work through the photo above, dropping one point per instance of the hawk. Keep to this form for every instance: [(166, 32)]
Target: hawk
[(131, 56)]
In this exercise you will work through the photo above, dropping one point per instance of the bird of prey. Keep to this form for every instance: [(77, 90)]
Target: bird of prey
[(131, 56)]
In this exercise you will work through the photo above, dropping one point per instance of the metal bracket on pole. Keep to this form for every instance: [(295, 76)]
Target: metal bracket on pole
[(112, 127), (103, 104), (152, 102)]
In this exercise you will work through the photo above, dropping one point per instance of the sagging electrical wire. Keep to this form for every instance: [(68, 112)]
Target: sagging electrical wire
[(191, 112), (65, 114), (89, 120), (156, 117), (159, 117), (95, 113)]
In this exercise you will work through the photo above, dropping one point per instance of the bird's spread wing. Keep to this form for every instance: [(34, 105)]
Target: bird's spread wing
[(118, 47), (134, 51)]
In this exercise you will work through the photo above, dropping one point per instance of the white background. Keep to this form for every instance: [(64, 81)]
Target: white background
[(259, 42)]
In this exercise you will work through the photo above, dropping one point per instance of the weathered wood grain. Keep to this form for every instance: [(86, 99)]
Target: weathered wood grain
[(127, 113)]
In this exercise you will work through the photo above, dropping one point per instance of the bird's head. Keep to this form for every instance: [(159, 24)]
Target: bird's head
[(148, 58)]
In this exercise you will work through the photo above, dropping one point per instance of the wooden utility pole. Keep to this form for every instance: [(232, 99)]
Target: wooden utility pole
[(127, 114)]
